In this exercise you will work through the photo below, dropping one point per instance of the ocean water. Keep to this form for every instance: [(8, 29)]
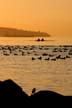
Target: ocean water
[(45, 65)]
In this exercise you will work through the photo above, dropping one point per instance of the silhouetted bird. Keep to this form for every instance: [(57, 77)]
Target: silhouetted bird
[(40, 58), (33, 90), (33, 58), (47, 59)]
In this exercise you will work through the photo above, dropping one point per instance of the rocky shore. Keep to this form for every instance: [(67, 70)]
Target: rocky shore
[(12, 94)]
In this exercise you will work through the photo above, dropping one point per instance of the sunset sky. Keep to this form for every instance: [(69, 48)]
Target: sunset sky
[(52, 16)]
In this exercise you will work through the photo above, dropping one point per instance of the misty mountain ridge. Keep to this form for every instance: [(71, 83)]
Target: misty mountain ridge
[(13, 32)]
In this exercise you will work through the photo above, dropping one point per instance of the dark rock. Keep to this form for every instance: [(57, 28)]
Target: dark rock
[(53, 59), (67, 56), (45, 98), (58, 57), (12, 93)]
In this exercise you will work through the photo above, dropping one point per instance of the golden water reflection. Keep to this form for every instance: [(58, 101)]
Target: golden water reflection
[(49, 75), (32, 41)]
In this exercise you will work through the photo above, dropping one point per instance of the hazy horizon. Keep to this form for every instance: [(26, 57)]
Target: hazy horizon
[(51, 16)]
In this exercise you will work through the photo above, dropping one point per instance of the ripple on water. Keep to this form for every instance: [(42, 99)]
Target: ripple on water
[(43, 74)]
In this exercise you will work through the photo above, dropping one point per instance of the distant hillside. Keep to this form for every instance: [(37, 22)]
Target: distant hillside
[(11, 32)]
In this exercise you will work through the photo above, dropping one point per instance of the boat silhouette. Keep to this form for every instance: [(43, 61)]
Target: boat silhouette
[(40, 39)]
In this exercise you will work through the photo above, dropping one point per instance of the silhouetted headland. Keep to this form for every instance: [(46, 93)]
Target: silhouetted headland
[(12, 32)]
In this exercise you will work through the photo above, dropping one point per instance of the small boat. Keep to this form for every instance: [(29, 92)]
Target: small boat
[(38, 39), (42, 39)]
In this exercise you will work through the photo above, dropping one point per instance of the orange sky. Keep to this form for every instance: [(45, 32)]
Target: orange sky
[(52, 16)]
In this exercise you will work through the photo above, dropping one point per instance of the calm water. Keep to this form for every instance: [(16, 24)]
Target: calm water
[(43, 74), (31, 41)]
